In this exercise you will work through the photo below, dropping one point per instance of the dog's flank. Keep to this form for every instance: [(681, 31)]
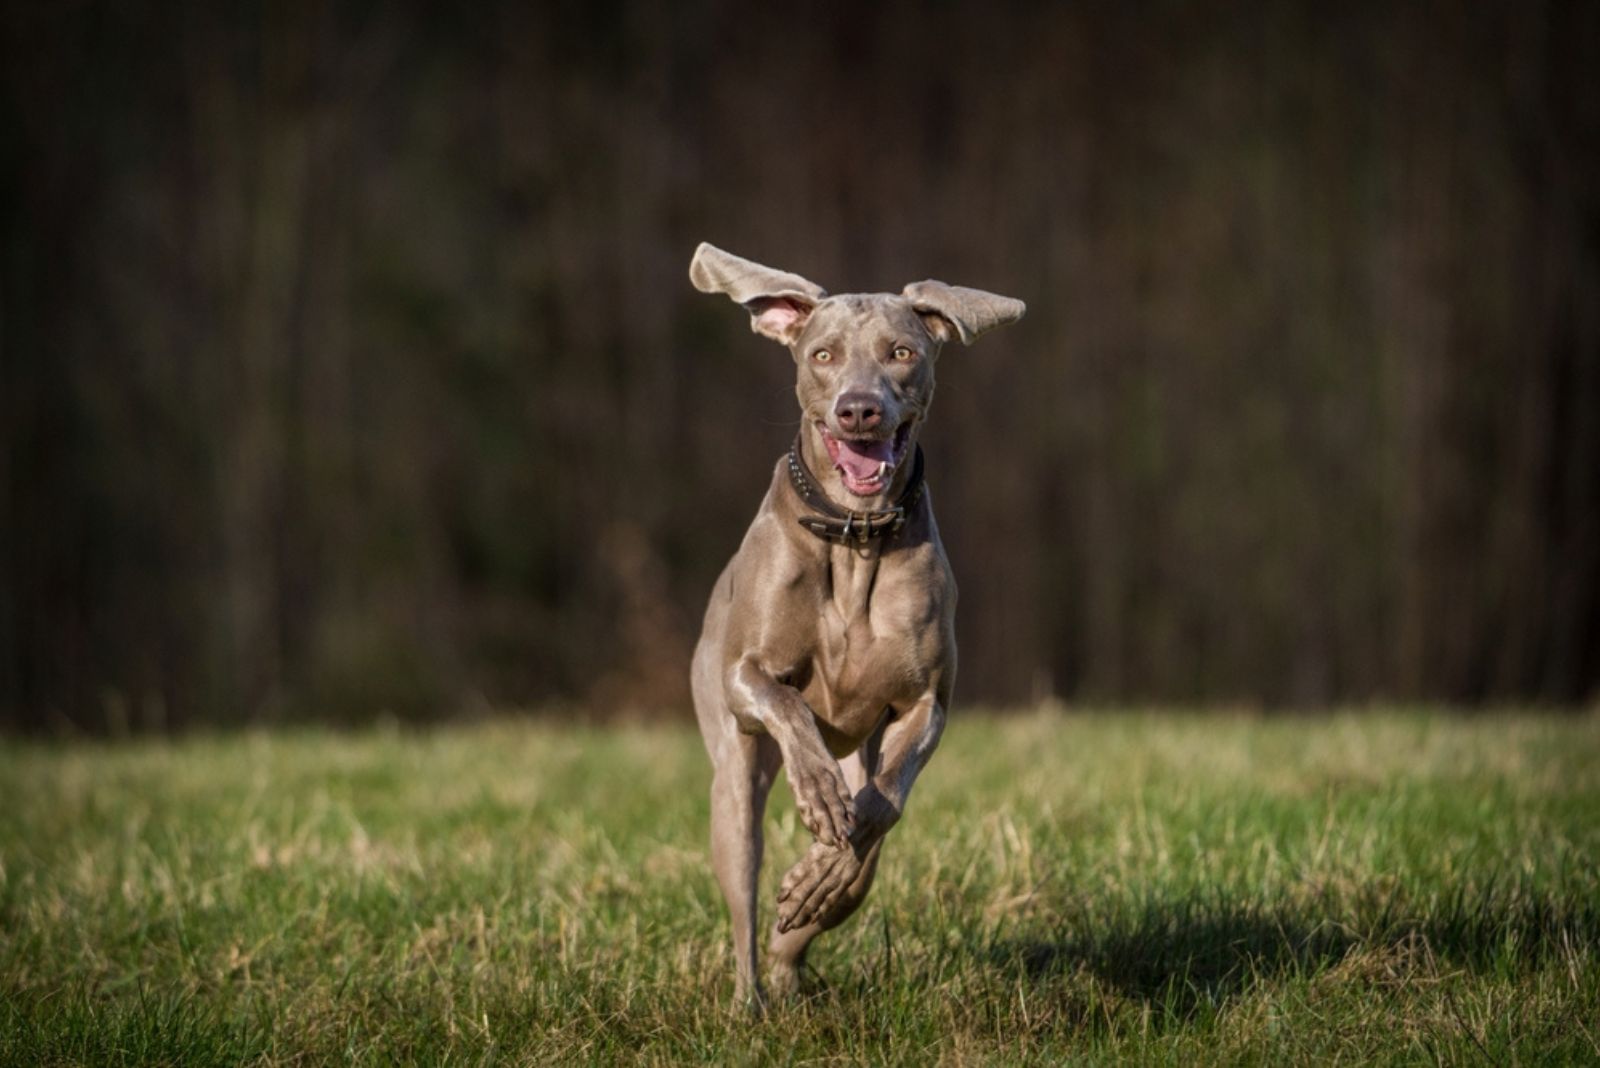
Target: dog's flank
[(828, 648)]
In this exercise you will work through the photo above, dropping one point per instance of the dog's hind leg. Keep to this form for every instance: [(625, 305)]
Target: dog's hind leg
[(745, 768)]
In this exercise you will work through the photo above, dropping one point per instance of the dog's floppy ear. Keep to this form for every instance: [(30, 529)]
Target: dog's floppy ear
[(779, 302), (969, 312)]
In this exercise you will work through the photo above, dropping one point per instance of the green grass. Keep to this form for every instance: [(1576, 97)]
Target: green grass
[(1407, 887)]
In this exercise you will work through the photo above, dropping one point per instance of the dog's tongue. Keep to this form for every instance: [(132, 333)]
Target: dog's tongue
[(861, 459)]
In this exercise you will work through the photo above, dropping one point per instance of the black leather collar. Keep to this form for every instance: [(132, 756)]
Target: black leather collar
[(840, 525)]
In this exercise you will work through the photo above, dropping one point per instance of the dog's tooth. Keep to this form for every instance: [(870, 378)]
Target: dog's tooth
[(883, 465)]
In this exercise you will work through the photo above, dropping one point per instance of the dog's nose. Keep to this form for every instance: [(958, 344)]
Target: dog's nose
[(858, 412)]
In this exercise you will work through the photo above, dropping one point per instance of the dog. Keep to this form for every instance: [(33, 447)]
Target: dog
[(828, 646)]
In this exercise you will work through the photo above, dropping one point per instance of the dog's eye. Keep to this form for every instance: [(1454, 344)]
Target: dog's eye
[(902, 353), (822, 355)]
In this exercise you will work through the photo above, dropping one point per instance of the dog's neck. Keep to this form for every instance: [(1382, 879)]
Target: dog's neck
[(830, 512)]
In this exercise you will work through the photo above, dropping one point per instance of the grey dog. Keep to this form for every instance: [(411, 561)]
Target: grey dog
[(828, 646)]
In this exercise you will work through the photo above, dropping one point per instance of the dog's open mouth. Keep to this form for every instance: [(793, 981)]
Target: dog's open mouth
[(867, 464)]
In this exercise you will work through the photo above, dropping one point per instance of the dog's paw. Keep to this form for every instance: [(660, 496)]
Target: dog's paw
[(811, 888), (824, 800), (753, 1002), (789, 981)]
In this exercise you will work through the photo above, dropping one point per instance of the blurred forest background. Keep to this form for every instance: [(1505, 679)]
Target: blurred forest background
[(349, 365)]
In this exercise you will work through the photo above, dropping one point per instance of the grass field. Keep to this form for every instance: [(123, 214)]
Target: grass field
[(1410, 887)]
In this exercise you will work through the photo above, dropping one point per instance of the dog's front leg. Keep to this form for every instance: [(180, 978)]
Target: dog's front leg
[(830, 876), (760, 702)]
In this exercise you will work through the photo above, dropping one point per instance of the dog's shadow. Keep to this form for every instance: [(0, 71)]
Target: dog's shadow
[(1185, 952)]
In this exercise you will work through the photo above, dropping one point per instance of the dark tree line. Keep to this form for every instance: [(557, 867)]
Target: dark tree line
[(348, 361)]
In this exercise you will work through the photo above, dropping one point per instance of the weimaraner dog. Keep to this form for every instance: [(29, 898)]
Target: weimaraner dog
[(829, 645)]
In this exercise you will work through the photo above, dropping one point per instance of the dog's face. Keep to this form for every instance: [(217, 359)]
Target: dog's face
[(864, 361), (864, 378)]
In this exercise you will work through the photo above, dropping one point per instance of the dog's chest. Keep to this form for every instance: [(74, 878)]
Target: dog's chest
[(877, 637)]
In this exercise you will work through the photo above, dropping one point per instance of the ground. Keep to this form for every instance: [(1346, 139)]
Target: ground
[(1388, 885)]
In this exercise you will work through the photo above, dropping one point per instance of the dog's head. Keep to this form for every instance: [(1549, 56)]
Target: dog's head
[(864, 361)]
